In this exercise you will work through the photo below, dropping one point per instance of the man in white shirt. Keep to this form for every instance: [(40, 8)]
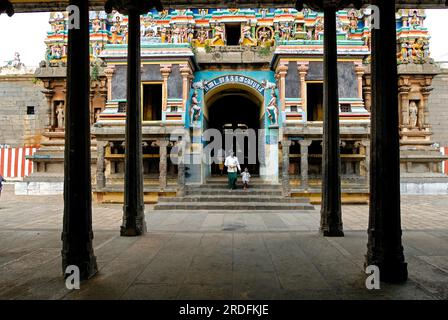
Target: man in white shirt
[(233, 166)]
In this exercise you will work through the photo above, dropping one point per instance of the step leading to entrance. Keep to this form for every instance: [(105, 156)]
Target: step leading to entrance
[(217, 196)]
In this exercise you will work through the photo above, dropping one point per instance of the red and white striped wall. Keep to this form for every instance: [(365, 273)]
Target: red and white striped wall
[(13, 163), (445, 163)]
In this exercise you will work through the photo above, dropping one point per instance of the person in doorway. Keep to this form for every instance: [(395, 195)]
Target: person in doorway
[(245, 176), (221, 159), (233, 166), (1, 183)]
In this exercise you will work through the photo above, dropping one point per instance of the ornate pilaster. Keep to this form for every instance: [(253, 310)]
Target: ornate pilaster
[(282, 71), (49, 122), (187, 75), (304, 146), (109, 72), (365, 170), (180, 145), (367, 92), (403, 94), (303, 71), (426, 91), (165, 70), (100, 167), (286, 187), (359, 69), (92, 113), (77, 234), (163, 146), (384, 247)]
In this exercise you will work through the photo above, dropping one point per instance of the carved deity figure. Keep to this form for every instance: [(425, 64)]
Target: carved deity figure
[(246, 33), (96, 25), (272, 110), (175, 34), (195, 108), (219, 34), (353, 21), (116, 30), (286, 31), (202, 35), (60, 115), (264, 35), (96, 49), (190, 34), (414, 19), (413, 114), (318, 28)]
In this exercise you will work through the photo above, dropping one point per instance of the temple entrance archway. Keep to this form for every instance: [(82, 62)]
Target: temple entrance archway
[(233, 107)]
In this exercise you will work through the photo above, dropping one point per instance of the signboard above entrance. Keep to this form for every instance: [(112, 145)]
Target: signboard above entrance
[(238, 79)]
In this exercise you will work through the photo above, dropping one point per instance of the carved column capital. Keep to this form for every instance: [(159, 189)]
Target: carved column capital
[(303, 68), (282, 69), (109, 71), (286, 143), (165, 69), (305, 143)]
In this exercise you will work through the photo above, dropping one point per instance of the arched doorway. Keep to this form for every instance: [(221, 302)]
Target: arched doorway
[(232, 107)]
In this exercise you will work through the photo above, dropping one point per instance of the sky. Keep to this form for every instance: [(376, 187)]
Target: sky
[(25, 33)]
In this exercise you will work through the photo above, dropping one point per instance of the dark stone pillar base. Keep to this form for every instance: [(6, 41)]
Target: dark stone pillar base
[(391, 272), (135, 226), (332, 233), (86, 264)]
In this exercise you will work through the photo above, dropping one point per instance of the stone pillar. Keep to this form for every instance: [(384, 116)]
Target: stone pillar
[(286, 187), (100, 167), (186, 73), (367, 90), (331, 216), (163, 145), (359, 69), (366, 145), (134, 207), (77, 231), (282, 70), (303, 70), (304, 145), (109, 72), (180, 169), (165, 70), (404, 106), (426, 91), (92, 113), (49, 122), (384, 245)]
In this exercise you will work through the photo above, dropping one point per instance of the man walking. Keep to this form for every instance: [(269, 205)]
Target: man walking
[(1, 183), (233, 166)]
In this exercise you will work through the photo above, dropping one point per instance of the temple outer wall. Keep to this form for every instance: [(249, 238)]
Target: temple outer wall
[(438, 104), (17, 92)]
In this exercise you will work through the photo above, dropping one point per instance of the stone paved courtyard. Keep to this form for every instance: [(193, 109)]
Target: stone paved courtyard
[(216, 255)]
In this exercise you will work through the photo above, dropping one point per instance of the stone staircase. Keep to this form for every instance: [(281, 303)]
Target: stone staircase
[(215, 195)]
